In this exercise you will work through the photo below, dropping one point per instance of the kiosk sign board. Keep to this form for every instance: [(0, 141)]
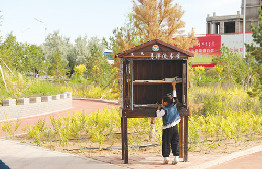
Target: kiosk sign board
[(146, 71)]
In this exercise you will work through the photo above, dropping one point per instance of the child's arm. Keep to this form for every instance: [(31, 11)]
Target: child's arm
[(160, 112), (174, 88)]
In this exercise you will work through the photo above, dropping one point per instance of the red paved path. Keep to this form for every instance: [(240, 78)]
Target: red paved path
[(147, 161), (78, 106)]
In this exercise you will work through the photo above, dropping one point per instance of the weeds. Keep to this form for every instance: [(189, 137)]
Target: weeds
[(10, 127), (90, 91), (219, 127), (7, 127), (224, 114), (37, 131)]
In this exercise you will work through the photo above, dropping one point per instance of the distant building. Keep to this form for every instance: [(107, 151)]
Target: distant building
[(109, 55), (234, 23)]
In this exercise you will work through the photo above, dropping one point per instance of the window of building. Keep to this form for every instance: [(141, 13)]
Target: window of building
[(229, 27)]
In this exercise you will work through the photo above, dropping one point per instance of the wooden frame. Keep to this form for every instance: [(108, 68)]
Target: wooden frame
[(145, 70)]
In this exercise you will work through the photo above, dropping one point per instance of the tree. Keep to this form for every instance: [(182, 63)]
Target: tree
[(22, 57), (152, 19), (57, 67), (233, 68), (255, 51), (161, 19), (78, 53), (9, 50), (56, 43), (124, 37), (99, 70), (81, 49), (33, 59)]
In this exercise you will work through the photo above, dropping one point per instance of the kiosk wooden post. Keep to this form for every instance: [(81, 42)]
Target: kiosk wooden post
[(147, 72)]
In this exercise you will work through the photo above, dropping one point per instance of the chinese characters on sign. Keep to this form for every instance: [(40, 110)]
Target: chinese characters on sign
[(235, 41), (210, 46), (207, 47), (157, 55)]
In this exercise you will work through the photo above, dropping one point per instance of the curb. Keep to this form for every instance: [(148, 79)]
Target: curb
[(227, 158), (36, 115), (99, 100)]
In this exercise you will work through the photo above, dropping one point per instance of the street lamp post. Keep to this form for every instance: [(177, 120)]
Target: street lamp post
[(38, 20), (45, 26)]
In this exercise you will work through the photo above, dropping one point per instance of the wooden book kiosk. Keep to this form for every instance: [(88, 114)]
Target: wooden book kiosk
[(147, 71)]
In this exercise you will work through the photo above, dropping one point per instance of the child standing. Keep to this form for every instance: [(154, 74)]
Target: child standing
[(170, 134)]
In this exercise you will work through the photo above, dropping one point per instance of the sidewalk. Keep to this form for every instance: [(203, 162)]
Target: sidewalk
[(22, 156), (247, 159), (251, 161)]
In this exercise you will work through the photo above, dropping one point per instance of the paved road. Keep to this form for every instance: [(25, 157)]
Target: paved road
[(22, 156)]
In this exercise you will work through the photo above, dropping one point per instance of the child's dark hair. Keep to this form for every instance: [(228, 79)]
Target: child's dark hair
[(168, 98)]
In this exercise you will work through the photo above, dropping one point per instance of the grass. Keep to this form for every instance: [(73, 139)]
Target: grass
[(89, 91), (19, 86)]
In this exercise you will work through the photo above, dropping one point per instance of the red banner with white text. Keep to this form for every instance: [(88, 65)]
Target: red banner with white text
[(207, 47)]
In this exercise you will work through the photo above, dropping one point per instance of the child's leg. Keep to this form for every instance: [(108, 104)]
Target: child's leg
[(175, 141), (166, 139)]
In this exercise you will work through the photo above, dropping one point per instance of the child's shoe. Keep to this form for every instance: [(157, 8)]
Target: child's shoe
[(176, 160), (166, 160)]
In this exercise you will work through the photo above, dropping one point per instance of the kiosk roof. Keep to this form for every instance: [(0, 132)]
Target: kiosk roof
[(153, 46)]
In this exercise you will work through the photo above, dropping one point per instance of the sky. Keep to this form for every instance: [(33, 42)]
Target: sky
[(32, 20)]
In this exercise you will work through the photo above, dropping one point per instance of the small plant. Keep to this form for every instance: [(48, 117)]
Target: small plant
[(36, 132), (7, 127), (10, 127), (78, 124), (63, 135), (17, 124)]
